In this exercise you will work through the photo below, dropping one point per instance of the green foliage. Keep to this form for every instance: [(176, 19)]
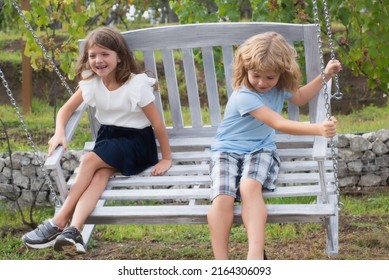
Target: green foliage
[(364, 43), (59, 25), (290, 11), (189, 11), (361, 28)]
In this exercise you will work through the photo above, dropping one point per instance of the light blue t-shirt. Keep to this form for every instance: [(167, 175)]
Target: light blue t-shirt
[(241, 133)]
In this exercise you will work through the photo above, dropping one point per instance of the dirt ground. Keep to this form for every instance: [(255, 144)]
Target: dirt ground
[(363, 237)]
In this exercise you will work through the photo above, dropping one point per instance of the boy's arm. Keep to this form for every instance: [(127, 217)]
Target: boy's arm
[(273, 119), (307, 92)]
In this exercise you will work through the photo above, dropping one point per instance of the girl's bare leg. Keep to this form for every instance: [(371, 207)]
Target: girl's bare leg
[(220, 219), (91, 195), (254, 215), (90, 163)]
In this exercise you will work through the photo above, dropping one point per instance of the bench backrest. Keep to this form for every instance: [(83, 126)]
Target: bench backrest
[(207, 85)]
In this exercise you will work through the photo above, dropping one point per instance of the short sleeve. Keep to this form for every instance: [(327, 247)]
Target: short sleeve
[(146, 92), (288, 95), (88, 92), (248, 102)]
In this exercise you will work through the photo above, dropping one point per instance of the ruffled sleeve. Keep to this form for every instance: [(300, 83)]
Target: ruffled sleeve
[(143, 94), (88, 92)]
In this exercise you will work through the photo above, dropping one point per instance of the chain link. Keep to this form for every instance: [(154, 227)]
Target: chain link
[(57, 201), (327, 95), (337, 94), (48, 57)]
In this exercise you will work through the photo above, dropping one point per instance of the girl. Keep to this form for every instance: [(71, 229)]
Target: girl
[(110, 80), (244, 156)]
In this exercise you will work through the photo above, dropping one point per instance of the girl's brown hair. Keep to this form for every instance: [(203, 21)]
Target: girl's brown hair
[(111, 39), (267, 52)]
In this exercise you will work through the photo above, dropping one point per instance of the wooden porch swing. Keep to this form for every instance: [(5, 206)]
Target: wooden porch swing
[(308, 163)]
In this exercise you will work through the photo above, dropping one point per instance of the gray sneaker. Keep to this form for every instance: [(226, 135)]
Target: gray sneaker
[(43, 236), (70, 242)]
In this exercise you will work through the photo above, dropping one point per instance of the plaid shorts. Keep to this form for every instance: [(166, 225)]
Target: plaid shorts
[(228, 169)]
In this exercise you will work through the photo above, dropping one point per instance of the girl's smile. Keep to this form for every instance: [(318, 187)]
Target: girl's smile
[(102, 61)]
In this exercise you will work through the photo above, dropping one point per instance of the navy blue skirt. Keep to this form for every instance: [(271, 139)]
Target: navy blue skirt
[(129, 150)]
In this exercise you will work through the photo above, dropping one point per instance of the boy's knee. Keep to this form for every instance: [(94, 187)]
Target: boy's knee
[(222, 204), (250, 188)]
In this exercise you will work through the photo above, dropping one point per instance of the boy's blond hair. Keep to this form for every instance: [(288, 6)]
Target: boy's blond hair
[(267, 52)]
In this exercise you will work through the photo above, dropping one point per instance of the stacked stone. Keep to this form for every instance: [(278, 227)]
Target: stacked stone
[(364, 159), (23, 178)]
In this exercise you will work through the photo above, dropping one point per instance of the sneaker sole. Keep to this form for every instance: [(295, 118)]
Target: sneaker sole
[(68, 247), (40, 246)]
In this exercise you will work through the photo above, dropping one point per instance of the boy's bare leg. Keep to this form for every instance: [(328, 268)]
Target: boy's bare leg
[(254, 215), (220, 219)]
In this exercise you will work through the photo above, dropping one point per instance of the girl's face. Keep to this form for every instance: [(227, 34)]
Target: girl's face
[(103, 61), (263, 81)]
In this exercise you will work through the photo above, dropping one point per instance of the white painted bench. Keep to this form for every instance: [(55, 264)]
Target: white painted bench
[(182, 195)]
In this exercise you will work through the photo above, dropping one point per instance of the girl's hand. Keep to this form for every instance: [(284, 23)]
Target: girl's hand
[(55, 141), (328, 128), (161, 167), (333, 67)]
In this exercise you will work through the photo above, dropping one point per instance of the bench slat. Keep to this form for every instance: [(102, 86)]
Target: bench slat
[(202, 142), (121, 181), (197, 214), (201, 193)]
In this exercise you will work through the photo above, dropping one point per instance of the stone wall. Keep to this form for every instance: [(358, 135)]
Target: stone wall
[(364, 159), (363, 162)]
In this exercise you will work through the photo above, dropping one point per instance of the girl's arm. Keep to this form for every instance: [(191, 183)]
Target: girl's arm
[(153, 115), (271, 118), (63, 116), (307, 92)]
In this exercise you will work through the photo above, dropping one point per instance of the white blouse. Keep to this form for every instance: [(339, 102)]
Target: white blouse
[(123, 106)]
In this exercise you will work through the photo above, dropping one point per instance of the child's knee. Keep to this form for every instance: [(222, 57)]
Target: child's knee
[(250, 188), (222, 205), (88, 157)]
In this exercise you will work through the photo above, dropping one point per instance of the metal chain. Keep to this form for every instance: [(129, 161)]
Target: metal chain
[(57, 201), (325, 90), (48, 57), (337, 94)]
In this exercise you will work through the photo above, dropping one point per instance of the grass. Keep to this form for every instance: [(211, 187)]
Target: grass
[(11, 55), (40, 124), (364, 227), (369, 119)]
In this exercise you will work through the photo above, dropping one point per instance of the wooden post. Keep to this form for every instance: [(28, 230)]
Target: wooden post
[(26, 72)]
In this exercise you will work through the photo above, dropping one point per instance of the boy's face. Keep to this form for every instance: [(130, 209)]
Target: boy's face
[(262, 82)]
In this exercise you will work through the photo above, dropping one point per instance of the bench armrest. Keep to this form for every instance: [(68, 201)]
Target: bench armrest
[(319, 148), (53, 162)]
